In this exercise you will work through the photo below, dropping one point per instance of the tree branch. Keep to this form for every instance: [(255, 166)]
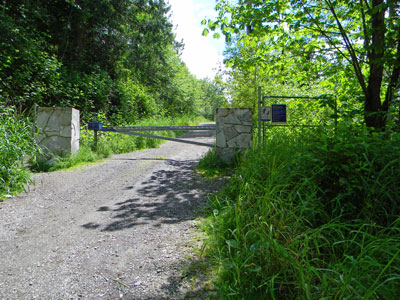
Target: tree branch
[(325, 34), (367, 4), (350, 48), (364, 24)]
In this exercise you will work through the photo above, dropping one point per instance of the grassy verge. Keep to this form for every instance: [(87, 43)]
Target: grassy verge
[(16, 142), (113, 143), (310, 218), (211, 167)]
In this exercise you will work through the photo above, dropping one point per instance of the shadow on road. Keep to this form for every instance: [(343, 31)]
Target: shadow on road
[(168, 196)]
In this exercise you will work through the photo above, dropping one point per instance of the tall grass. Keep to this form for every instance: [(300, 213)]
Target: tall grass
[(16, 142), (310, 218)]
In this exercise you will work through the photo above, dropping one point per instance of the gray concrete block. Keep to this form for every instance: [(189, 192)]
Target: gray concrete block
[(59, 129)]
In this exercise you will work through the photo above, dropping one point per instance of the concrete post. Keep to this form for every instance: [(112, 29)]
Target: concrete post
[(234, 131), (58, 130)]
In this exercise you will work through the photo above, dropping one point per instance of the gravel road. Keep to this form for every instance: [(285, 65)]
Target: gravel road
[(114, 230)]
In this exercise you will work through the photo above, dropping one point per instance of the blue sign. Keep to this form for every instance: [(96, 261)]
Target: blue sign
[(95, 125), (279, 113)]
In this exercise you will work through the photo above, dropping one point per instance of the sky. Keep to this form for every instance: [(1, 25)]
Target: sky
[(202, 55)]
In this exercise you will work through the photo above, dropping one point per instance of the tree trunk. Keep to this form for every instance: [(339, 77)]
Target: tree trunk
[(375, 115)]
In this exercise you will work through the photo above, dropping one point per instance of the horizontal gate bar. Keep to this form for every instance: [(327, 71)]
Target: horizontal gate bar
[(158, 128), (288, 125), (168, 138)]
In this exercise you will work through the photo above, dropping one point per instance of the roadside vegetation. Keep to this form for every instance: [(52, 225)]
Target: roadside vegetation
[(311, 213), (311, 216), (16, 142)]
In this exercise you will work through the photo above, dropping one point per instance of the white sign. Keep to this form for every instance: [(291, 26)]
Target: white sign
[(266, 113)]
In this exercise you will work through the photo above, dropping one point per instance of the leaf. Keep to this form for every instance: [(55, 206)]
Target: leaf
[(377, 9), (216, 35)]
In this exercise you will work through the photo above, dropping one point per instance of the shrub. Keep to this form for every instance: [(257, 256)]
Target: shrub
[(357, 175)]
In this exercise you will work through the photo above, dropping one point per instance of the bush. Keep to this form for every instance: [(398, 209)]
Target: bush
[(357, 175)]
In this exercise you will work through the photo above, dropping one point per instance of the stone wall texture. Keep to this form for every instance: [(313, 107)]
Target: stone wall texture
[(234, 131), (58, 130)]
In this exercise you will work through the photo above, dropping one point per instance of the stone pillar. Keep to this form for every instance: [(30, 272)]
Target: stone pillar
[(58, 130), (234, 131)]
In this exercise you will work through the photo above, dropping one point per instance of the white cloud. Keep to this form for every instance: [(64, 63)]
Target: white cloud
[(202, 55)]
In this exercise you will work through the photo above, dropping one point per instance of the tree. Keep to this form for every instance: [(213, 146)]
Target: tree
[(325, 38), (212, 96), (75, 52), (117, 57)]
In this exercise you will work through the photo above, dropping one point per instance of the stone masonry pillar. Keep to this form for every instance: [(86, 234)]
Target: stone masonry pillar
[(58, 130), (234, 131)]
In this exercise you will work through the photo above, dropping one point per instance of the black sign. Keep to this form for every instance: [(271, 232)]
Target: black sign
[(279, 113)]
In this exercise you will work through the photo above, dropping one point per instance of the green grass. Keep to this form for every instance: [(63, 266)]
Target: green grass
[(16, 142), (312, 217), (211, 167)]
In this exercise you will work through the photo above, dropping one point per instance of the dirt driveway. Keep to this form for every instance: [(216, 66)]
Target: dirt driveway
[(115, 230)]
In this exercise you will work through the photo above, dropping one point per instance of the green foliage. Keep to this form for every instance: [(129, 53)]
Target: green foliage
[(211, 97), (357, 175), (310, 218), (113, 57), (83, 157), (88, 92), (29, 74), (16, 142), (136, 102), (347, 48)]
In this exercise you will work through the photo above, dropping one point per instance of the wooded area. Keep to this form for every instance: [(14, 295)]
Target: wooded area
[(116, 58)]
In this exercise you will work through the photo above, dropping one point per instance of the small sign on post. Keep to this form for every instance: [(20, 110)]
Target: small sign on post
[(278, 113), (266, 113)]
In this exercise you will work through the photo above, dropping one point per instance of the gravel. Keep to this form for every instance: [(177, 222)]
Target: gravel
[(121, 229)]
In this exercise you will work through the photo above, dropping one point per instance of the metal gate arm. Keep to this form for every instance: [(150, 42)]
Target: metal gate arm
[(169, 139)]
